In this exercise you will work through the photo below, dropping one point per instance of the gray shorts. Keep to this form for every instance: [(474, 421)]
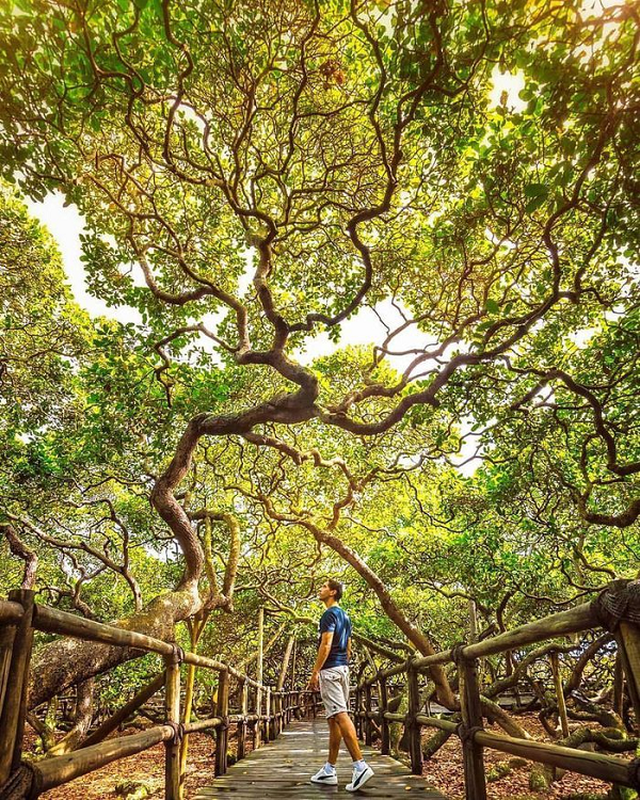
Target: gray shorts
[(334, 689)]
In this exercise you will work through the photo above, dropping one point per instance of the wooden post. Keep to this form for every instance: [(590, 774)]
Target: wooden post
[(7, 632), (222, 733), (268, 726), (368, 727), (383, 705), (557, 681), (628, 638), (242, 725), (14, 707), (172, 781), (412, 724), (255, 736), (356, 713), (279, 714), (258, 728), (474, 778), (275, 713)]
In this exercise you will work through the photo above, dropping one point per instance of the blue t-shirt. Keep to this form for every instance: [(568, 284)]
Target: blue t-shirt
[(337, 621)]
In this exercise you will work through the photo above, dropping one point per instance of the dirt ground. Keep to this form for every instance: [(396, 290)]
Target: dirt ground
[(146, 768), (443, 772)]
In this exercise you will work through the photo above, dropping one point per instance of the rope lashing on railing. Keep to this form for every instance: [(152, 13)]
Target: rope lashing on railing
[(456, 652), (178, 655), (179, 731), (619, 601), (466, 734)]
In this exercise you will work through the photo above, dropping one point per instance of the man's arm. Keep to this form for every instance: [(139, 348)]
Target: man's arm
[(323, 653), (349, 649)]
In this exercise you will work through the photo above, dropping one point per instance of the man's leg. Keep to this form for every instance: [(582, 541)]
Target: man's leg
[(335, 737), (348, 733), (362, 772), (327, 774)]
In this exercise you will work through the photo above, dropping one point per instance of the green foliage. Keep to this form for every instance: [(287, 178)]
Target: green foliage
[(278, 167)]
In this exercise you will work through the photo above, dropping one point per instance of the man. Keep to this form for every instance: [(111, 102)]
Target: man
[(331, 675)]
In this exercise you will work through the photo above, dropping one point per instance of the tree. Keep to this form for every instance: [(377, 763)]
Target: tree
[(271, 169)]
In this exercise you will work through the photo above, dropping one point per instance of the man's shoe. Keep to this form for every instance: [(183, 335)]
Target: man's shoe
[(359, 779), (325, 778)]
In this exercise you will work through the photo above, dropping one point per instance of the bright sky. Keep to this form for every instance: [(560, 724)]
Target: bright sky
[(65, 225)]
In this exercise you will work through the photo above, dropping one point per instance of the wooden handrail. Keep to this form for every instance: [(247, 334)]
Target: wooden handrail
[(597, 765), (52, 772), (10, 612), (588, 616), (96, 752), (281, 704), (51, 620), (575, 620)]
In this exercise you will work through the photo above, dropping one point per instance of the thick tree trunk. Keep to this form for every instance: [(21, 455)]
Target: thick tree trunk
[(66, 662)]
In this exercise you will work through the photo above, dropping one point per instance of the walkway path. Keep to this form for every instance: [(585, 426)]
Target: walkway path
[(281, 769)]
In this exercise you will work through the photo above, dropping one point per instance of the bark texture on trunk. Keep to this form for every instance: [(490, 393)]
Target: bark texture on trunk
[(66, 662)]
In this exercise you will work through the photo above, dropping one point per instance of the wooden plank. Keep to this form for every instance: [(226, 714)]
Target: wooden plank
[(282, 768)]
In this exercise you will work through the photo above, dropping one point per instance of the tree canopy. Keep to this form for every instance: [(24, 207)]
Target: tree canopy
[(257, 177)]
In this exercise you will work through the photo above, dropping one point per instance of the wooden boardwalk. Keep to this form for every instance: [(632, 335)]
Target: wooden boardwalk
[(282, 768)]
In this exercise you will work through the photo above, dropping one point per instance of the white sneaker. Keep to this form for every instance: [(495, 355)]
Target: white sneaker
[(359, 778), (324, 777)]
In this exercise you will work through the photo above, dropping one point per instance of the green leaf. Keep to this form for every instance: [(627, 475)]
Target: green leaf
[(535, 204), (536, 190)]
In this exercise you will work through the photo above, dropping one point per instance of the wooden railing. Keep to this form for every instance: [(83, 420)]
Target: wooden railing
[(263, 713), (617, 609)]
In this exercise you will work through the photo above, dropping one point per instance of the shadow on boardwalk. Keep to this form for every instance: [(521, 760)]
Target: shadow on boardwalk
[(281, 769)]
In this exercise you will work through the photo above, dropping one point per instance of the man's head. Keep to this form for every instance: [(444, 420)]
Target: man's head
[(330, 590)]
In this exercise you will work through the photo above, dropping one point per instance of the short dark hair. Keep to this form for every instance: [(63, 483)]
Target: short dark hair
[(337, 587)]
